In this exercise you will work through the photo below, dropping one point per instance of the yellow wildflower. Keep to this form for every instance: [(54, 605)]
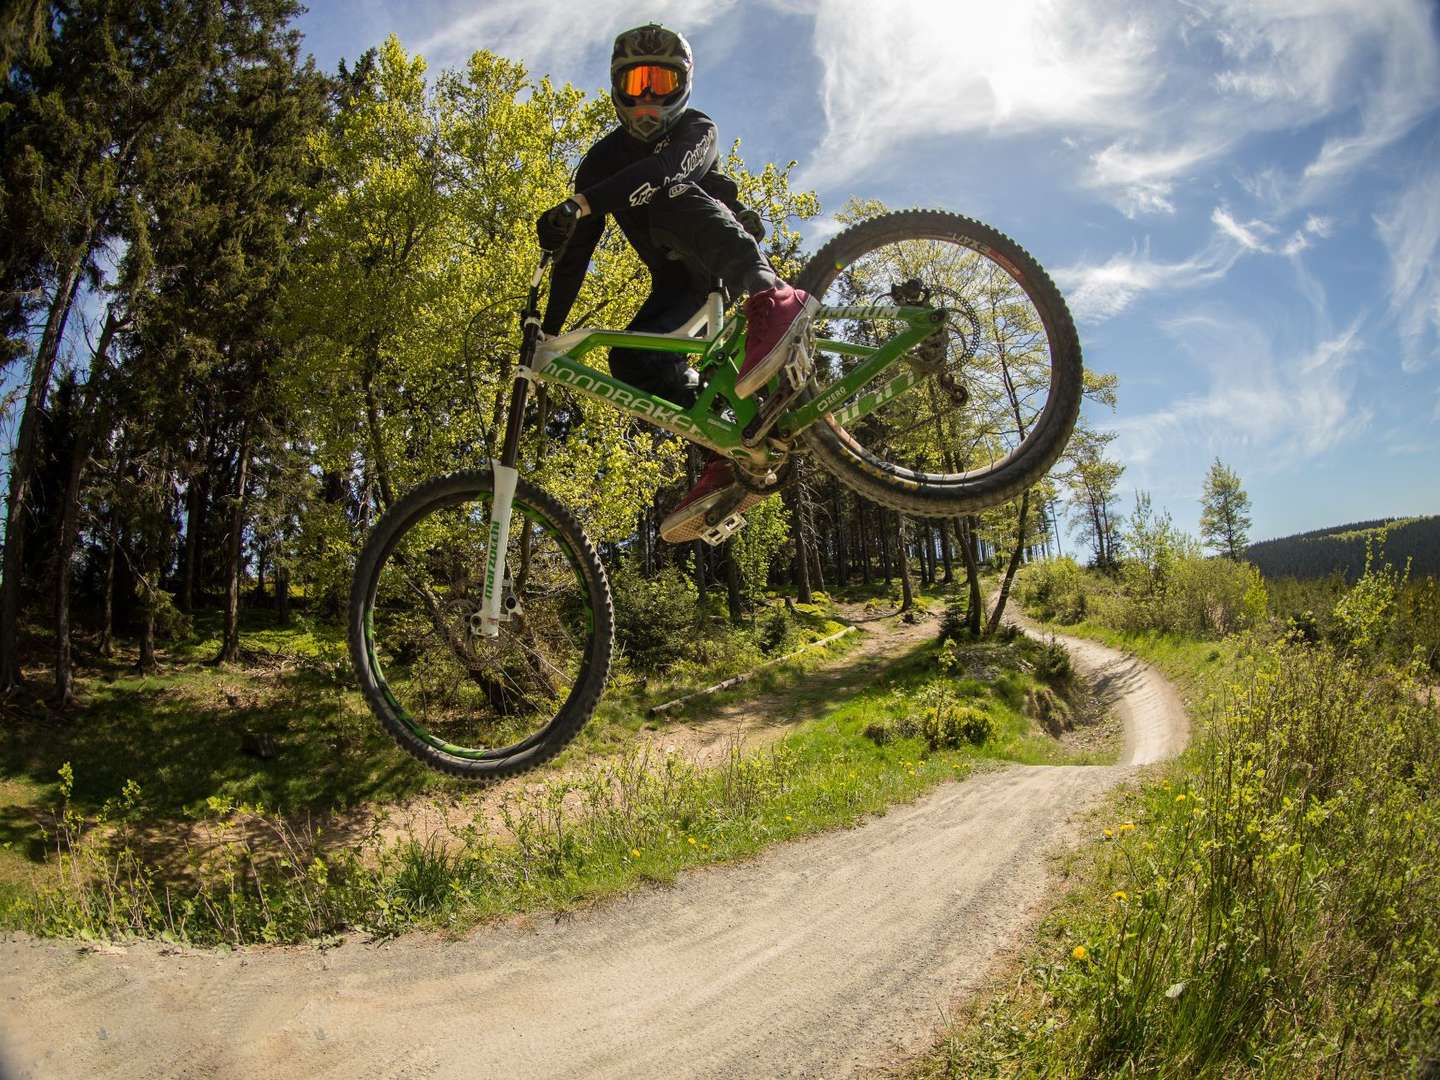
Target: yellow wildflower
[(1109, 835), (1121, 895), (1180, 798), (1127, 826), (634, 852), (1080, 952), (691, 839), (789, 818)]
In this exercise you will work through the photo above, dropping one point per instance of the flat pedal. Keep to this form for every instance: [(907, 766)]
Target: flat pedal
[(802, 360), (721, 531)]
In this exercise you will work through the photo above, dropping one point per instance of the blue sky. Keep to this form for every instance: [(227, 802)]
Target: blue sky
[(1240, 198)]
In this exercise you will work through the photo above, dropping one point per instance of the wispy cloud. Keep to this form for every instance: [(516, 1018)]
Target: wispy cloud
[(1099, 291), (1143, 181), (1260, 409), (1410, 230), (555, 35)]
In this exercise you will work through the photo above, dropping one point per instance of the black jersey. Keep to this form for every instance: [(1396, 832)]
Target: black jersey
[(620, 176)]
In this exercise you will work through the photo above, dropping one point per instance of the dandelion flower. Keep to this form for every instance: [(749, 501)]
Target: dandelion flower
[(789, 818), (1080, 952), (691, 839), (1180, 797), (1121, 895), (1127, 826), (634, 852), (1109, 834)]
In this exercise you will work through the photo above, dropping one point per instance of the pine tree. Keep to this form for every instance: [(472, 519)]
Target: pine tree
[(1225, 512)]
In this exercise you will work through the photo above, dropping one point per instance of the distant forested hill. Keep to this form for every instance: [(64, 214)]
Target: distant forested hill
[(1342, 547)]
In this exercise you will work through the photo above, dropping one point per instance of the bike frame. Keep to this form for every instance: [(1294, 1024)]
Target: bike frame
[(721, 349)]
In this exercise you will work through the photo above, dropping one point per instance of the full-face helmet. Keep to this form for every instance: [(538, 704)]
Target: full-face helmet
[(650, 74)]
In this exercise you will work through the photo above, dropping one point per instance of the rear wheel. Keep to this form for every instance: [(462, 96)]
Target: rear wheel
[(475, 706), (999, 386)]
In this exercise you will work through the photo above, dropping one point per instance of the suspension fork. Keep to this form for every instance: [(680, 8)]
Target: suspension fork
[(504, 471)]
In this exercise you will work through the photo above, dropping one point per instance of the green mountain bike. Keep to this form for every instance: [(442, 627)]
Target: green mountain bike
[(941, 374)]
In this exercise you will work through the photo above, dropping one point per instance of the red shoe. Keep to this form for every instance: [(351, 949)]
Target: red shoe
[(773, 319), (717, 486)]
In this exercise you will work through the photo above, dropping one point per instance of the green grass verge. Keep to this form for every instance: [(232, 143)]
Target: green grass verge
[(630, 820), (1265, 906)]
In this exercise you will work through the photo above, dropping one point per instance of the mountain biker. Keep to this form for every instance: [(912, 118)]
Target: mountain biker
[(658, 175)]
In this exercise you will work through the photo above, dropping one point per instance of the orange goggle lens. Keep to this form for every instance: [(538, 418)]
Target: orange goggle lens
[(648, 78)]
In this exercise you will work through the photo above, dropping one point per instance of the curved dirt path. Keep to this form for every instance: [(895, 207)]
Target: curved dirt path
[(827, 957)]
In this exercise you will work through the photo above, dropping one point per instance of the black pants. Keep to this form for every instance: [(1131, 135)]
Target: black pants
[(706, 247)]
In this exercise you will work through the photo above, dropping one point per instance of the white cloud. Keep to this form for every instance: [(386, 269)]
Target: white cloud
[(1242, 234), (1261, 409), (900, 69), (1410, 230), (1098, 292)]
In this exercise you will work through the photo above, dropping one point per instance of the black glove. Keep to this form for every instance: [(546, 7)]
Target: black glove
[(555, 225), (752, 223)]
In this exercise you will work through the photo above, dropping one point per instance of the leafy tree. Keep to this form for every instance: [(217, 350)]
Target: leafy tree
[(1225, 512), (1092, 479)]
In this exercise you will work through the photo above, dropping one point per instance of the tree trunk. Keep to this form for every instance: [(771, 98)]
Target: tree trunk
[(800, 572), (196, 496), (732, 584), (972, 575), (107, 613), (818, 575), (947, 555), (230, 647), (800, 564), (837, 508), (70, 511), (22, 464), (907, 592), (702, 583), (258, 597), (864, 542), (282, 594), (882, 514), (1004, 593), (647, 554), (150, 582)]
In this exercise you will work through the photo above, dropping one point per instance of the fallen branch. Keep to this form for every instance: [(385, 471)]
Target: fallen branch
[(654, 709)]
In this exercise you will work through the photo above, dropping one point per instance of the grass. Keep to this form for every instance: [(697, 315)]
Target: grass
[(1265, 906), (565, 842)]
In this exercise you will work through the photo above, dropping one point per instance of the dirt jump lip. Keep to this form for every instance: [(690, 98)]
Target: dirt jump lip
[(831, 956)]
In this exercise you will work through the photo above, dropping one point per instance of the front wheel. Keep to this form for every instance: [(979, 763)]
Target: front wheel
[(996, 390), (474, 706)]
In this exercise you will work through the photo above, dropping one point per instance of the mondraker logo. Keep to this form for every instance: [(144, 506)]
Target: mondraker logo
[(676, 419)]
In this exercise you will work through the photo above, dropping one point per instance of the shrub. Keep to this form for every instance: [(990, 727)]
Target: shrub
[(1055, 590), (1052, 664), (955, 623), (655, 617), (776, 631)]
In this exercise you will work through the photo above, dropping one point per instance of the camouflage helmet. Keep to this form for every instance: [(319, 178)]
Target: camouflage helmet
[(646, 47)]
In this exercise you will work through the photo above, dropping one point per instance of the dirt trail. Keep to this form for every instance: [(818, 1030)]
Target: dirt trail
[(826, 957)]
